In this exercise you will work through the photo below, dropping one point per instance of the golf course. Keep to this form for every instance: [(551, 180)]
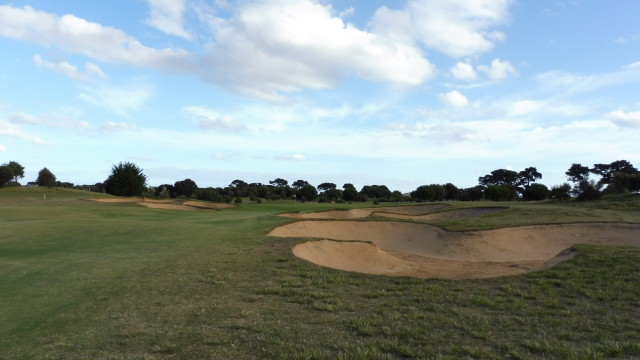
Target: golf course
[(91, 276)]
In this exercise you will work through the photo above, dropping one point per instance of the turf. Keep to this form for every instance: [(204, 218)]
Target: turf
[(81, 279)]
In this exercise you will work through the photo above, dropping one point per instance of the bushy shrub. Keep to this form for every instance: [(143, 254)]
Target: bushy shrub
[(535, 192), (126, 179), (498, 193), (560, 192)]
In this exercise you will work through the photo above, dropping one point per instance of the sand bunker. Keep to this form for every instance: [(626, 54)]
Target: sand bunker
[(451, 214), (390, 211), (168, 204), (422, 250)]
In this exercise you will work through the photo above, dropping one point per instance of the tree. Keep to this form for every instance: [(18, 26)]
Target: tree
[(299, 184), (577, 173), (535, 192), (307, 193), (528, 175), (423, 193), (46, 178), (6, 174), (376, 191), (608, 174), (126, 179), (498, 193), (560, 192), (349, 192), (279, 182), (18, 170), (451, 191), (499, 177), (326, 186), (185, 187)]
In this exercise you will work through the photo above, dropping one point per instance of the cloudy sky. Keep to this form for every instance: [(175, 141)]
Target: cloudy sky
[(401, 93)]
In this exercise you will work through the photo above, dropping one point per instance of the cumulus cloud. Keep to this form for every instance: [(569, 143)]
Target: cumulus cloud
[(464, 71), (271, 47), (498, 70), (80, 36), (111, 127), (523, 107), (454, 99), (166, 16), (91, 70), (455, 27), (208, 119), (48, 120), (624, 119)]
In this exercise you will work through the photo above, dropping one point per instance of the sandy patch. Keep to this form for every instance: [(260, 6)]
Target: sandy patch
[(169, 204), (390, 211), (438, 253), (207, 205), (451, 214), (119, 200)]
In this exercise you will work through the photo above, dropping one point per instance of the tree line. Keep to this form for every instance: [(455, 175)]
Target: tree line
[(127, 179)]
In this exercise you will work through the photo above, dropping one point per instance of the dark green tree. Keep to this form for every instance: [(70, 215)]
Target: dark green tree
[(577, 173), (126, 179), (528, 175), (6, 174), (18, 170), (560, 192), (535, 192), (498, 193), (46, 178), (451, 192), (307, 193), (185, 187), (279, 182)]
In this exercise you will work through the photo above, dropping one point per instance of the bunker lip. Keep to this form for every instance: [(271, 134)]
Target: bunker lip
[(168, 204), (410, 210), (422, 250)]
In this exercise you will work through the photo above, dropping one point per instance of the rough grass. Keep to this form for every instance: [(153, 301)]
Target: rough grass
[(82, 280)]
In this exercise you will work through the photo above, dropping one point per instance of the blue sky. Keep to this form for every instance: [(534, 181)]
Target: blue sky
[(400, 93)]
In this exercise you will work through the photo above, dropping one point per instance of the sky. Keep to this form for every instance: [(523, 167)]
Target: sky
[(399, 93)]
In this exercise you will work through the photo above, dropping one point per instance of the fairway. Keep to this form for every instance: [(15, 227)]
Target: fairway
[(85, 279)]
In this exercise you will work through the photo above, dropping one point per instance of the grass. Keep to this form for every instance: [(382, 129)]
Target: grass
[(81, 279)]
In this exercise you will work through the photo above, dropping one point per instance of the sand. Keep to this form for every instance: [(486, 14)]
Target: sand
[(168, 204), (422, 250), (389, 211)]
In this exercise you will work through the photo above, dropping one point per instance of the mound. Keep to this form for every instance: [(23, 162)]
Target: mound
[(119, 200), (206, 205), (438, 253), (168, 206)]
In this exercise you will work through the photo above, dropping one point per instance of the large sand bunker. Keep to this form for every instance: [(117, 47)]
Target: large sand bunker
[(412, 212), (421, 250)]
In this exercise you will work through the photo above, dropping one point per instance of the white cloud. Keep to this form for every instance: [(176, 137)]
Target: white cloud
[(80, 36), (455, 27), (120, 100), (568, 83), (454, 99), (498, 70), (464, 71), (624, 119), (48, 120), (523, 107), (209, 119), (3, 148), (90, 69), (14, 131), (166, 16), (294, 157), (271, 47), (111, 127)]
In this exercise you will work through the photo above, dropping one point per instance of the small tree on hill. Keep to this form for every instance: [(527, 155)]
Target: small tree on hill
[(126, 179), (18, 170), (46, 178)]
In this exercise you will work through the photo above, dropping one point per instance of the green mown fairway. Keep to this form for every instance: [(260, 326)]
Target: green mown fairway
[(88, 280)]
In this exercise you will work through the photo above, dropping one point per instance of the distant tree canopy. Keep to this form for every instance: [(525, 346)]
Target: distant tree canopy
[(46, 178), (185, 187), (126, 179), (18, 170), (279, 182)]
